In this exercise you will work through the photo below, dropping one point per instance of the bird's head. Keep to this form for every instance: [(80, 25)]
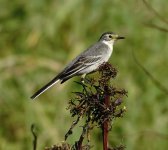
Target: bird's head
[(110, 37)]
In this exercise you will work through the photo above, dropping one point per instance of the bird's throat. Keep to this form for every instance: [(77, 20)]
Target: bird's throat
[(109, 44)]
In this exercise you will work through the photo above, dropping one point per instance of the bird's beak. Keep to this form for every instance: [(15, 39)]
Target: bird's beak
[(120, 37)]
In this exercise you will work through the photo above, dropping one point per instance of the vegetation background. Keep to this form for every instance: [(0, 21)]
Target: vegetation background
[(39, 37)]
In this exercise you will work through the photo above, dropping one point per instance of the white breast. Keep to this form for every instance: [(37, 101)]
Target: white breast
[(109, 52)]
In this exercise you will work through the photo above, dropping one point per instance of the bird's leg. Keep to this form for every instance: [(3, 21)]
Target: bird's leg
[(83, 78)]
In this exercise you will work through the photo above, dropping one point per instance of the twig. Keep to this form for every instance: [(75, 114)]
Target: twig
[(155, 12), (156, 27), (71, 128), (34, 136)]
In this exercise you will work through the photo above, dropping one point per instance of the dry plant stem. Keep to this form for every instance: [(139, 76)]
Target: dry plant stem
[(105, 124)]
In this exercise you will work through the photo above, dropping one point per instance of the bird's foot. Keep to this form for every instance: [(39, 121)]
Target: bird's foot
[(86, 80)]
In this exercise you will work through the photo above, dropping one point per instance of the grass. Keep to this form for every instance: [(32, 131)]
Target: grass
[(38, 38)]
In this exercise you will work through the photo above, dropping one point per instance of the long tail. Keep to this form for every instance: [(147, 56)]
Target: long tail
[(44, 88)]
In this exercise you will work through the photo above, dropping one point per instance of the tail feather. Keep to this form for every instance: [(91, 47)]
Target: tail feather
[(44, 88)]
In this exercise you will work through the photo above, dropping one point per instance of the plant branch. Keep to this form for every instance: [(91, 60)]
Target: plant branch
[(156, 27), (155, 12), (105, 124)]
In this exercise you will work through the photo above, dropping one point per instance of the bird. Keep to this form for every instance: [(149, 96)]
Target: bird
[(87, 62)]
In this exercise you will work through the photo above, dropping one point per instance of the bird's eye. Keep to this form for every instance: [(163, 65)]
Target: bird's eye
[(110, 36)]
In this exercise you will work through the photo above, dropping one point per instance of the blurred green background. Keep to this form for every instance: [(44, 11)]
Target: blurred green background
[(39, 37)]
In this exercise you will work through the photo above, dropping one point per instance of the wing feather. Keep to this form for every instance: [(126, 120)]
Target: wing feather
[(78, 65)]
